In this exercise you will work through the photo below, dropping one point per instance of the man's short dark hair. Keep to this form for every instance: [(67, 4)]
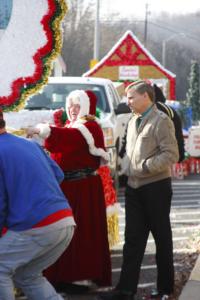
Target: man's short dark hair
[(142, 86), (2, 121), (159, 96)]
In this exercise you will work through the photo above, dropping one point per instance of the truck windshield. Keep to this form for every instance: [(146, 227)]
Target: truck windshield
[(53, 96)]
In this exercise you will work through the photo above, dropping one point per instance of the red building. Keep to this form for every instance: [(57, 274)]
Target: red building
[(129, 60)]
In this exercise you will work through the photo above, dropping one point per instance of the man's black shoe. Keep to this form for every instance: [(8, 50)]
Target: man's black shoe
[(154, 294), (72, 289), (115, 295), (158, 296)]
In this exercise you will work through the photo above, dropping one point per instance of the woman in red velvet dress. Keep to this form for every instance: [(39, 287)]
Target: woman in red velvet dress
[(79, 149)]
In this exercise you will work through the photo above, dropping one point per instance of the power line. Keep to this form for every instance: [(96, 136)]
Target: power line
[(157, 25), (175, 31)]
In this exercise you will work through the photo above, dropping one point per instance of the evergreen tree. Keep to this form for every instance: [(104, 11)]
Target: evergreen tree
[(193, 94)]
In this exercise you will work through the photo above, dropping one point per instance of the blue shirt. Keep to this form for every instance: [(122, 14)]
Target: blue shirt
[(29, 184)]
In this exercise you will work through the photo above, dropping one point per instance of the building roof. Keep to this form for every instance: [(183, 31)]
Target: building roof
[(129, 51)]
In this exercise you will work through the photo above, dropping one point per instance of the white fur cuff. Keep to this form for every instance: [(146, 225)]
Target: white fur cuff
[(45, 130)]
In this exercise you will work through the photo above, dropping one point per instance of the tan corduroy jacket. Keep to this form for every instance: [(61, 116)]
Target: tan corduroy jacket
[(151, 149)]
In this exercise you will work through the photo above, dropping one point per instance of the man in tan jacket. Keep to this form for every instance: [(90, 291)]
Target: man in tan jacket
[(151, 150)]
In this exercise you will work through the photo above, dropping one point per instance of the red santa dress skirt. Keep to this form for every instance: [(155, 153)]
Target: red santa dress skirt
[(87, 257)]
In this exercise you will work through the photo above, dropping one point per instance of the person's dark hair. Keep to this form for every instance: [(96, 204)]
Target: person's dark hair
[(159, 96), (2, 121), (2, 124), (142, 86)]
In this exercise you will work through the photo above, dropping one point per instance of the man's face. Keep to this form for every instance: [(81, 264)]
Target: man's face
[(137, 102)]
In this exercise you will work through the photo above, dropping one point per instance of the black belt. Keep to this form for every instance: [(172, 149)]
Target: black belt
[(79, 174)]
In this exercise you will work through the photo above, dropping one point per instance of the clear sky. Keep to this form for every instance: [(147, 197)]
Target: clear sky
[(137, 7)]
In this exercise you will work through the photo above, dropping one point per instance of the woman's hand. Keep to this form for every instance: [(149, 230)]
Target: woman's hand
[(31, 131)]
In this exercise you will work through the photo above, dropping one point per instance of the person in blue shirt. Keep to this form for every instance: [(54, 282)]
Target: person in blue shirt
[(36, 221)]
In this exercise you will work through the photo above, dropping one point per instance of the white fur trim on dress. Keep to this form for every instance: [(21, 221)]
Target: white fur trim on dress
[(81, 98), (113, 209), (90, 141), (45, 130)]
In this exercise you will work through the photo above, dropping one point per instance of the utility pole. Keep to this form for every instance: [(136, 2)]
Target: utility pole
[(96, 37), (164, 53), (145, 24)]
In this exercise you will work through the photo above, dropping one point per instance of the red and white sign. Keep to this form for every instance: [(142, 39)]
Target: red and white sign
[(128, 72), (194, 141)]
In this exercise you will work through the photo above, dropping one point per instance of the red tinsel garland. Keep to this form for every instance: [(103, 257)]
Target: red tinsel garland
[(109, 191)]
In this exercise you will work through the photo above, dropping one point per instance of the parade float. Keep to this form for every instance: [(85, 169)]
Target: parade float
[(29, 45)]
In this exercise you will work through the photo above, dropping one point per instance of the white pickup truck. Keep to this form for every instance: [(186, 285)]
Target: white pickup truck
[(113, 117)]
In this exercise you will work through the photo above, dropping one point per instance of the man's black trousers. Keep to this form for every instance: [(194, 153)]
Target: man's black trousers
[(147, 210)]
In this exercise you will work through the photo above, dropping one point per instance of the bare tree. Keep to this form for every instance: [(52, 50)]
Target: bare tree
[(78, 36)]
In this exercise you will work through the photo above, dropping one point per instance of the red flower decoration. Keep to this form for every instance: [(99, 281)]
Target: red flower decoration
[(58, 117)]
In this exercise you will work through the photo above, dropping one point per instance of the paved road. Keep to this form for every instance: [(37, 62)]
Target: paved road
[(185, 219)]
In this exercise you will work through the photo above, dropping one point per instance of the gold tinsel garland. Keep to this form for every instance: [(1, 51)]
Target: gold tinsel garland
[(48, 64), (113, 229), (20, 132)]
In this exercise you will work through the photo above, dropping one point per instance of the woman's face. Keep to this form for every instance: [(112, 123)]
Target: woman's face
[(74, 110)]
